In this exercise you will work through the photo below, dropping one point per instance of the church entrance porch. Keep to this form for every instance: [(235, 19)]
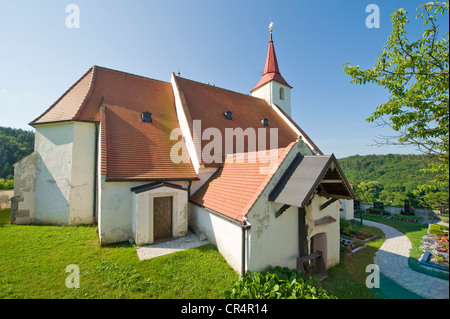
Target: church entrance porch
[(159, 212)]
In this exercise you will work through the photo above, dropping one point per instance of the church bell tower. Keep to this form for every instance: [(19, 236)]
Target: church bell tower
[(272, 86)]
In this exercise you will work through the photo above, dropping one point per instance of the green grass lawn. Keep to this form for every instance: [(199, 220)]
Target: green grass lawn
[(33, 261)]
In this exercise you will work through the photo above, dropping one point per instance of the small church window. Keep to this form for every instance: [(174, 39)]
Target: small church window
[(146, 117), (281, 94), (227, 115), (265, 122)]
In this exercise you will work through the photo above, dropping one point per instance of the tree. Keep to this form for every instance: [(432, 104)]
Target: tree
[(368, 192), (416, 74)]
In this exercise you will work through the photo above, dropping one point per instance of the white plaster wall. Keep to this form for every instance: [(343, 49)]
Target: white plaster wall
[(54, 145), (347, 209), (331, 256), (274, 241), (225, 235), (143, 213), (271, 93), (115, 215), (82, 179), (64, 178)]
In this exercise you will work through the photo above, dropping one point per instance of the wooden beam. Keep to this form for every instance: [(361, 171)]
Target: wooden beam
[(327, 203), (332, 181), (281, 210)]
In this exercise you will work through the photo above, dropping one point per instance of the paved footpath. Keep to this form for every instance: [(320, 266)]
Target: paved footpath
[(392, 259)]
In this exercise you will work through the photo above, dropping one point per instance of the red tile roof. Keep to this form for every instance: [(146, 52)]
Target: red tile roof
[(271, 70), (235, 187), (130, 149), (208, 103)]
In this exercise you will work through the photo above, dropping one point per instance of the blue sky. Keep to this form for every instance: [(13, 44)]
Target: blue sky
[(218, 42)]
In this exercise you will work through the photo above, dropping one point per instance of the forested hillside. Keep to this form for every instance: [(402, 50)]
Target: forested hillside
[(15, 144), (391, 179)]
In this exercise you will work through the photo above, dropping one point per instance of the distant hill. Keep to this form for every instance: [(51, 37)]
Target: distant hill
[(396, 172), (15, 144), (391, 179)]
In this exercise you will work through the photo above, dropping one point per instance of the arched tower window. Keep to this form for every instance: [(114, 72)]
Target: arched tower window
[(281, 93)]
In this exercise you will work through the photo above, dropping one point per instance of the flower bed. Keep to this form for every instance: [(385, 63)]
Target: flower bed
[(438, 261), (406, 218), (376, 212), (351, 246), (363, 236), (435, 247)]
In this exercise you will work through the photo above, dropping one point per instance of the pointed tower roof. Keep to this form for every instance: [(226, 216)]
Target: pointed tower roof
[(271, 71)]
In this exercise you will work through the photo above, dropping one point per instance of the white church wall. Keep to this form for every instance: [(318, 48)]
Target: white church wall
[(224, 234), (115, 217), (347, 209), (274, 241), (331, 255), (82, 179), (62, 167), (271, 93), (54, 145)]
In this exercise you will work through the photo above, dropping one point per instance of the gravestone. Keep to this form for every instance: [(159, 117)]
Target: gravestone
[(407, 208), (378, 205)]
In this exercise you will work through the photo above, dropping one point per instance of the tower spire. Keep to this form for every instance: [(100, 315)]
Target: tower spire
[(271, 71)]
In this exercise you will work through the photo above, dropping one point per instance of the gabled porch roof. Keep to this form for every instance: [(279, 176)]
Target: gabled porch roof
[(307, 174)]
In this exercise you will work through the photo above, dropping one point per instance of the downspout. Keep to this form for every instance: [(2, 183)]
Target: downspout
[(94, 214), (245, 225), (189, 189)]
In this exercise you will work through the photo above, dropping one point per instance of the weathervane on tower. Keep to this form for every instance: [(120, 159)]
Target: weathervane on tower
[(270, 29)]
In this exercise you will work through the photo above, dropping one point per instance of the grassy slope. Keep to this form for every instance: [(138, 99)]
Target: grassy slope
[(33, 261)]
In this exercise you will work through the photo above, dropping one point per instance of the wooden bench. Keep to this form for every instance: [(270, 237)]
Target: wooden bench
[(320, 269)]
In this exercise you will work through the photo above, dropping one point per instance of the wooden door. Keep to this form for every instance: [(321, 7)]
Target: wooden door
[(162, 217)]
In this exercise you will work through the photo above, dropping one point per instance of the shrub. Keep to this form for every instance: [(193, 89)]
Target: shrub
[(438, 229), (6, 184), (345, 227), (277, 283)]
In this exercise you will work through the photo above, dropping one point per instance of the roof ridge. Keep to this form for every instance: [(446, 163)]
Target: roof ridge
[(270, 151), (218, 87), (129, 74)]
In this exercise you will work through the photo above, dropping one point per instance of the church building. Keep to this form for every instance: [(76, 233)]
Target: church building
[(149, 160)]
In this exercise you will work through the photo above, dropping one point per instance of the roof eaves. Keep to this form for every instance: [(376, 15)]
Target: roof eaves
[(150, 186)]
